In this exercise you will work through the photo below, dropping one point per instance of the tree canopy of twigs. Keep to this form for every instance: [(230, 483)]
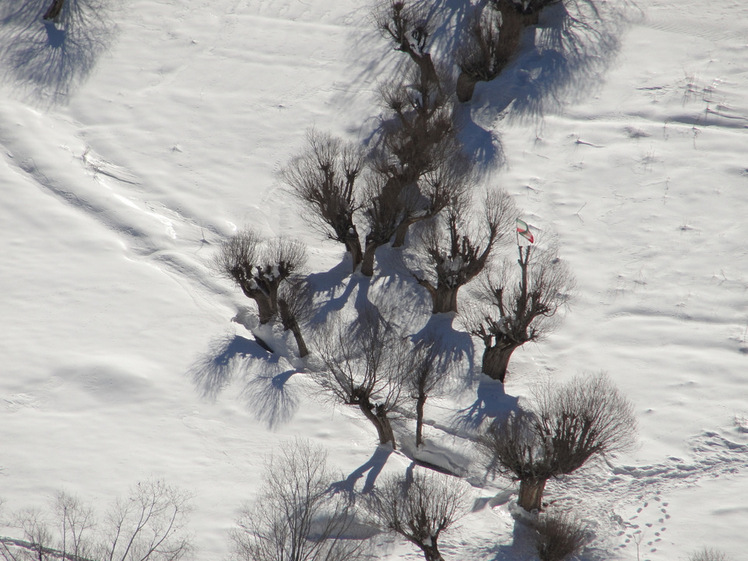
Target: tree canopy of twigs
[(568, 425), (364, 367), (418, 507), (149, 525), (453, 253), (296, 517), (324, 179), (519, 305)]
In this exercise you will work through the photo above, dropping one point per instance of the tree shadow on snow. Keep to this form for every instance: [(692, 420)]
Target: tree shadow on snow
[(264, 379), (561, 60), (46, 59), (522, 546), (373, 467), (491, 403), (270, 398), (453, 346)]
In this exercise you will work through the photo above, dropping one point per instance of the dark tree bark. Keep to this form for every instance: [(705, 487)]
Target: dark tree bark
[(377, 415), (531, 494), (290, 323), (368, 260), (420, 405), (496, 361), (54, 10)]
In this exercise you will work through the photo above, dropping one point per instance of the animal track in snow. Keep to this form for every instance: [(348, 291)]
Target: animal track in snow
[(607, 492)]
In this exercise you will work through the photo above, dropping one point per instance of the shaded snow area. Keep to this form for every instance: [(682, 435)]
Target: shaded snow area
[(135, 137)]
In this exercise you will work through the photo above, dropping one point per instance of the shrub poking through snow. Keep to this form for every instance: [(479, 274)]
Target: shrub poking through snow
[(559, 536), (708, 554)]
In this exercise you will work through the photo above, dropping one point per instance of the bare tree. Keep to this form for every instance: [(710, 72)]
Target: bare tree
[(454, 255), (419, 508), (296, 518), (364, 368), (408, 27), (323, 178), (147, 526), (520, 308), (426, 372), (259, 267), (570, 424)]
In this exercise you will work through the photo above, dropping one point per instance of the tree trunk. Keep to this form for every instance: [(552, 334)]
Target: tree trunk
[(465, 87), (431, 552), (420, 403), (265, 308), (289, 323), (496, 361), (377, 414), (353, 246), (444, 299), (54, 9), (402, 231), (531, 494), (367, 264)]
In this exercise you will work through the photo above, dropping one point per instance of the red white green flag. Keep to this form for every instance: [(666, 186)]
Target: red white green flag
[(524, 230)]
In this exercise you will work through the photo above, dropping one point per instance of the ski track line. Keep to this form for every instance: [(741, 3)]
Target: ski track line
[(135, 221)]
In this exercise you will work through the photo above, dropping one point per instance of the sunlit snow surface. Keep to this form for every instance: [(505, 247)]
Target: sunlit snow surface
[(135, 137)]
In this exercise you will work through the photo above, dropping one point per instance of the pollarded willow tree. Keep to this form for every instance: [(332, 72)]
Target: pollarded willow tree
[(519, 305), (408, 26), (364, 367), (453, 251), (267, 271), (324, 179), (568, 425), (419, 508), (259, 266)]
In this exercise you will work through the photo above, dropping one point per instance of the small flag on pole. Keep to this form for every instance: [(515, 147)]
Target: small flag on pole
[(524, 230)]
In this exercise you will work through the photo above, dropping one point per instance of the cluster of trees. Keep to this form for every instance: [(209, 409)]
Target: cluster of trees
[(415, 173), (147, 525)]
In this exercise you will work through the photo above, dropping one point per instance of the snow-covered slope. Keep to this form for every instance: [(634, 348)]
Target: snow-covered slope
[(132, 145)]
